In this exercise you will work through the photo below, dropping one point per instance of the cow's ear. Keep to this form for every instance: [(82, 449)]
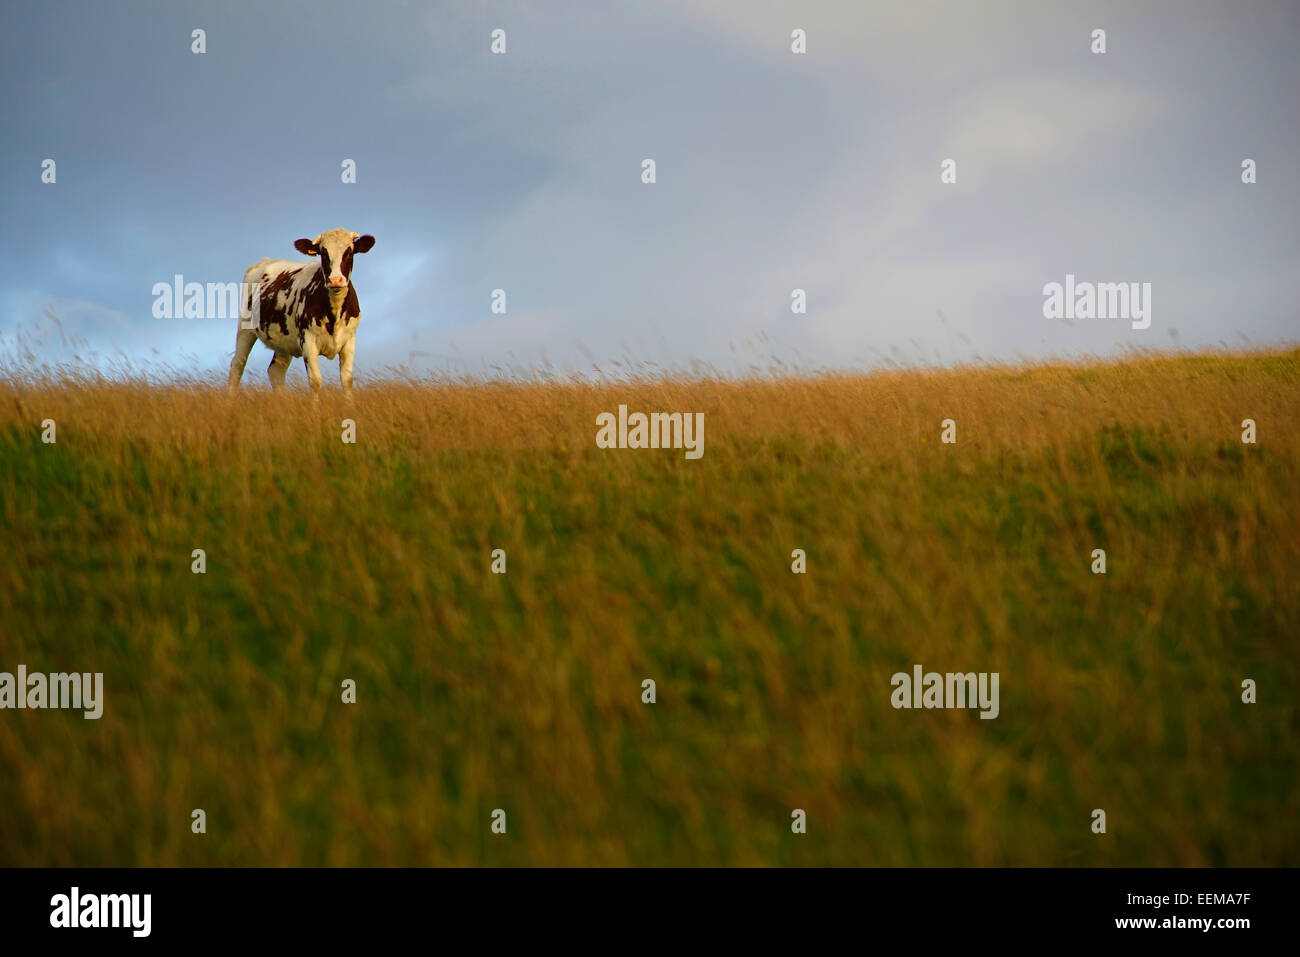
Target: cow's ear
[(305, 246), (363, 244)]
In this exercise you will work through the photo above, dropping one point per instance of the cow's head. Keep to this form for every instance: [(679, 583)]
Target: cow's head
[(335, 248)]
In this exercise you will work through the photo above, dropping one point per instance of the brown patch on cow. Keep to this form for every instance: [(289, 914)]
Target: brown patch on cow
[(315, 306), (269, 311)]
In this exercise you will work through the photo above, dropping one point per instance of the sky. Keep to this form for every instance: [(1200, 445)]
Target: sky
[(774, 171)]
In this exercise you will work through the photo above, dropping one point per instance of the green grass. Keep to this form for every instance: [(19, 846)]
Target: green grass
[(476, 691)]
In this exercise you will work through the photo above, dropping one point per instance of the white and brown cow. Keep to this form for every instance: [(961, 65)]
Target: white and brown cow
[(300, 309)]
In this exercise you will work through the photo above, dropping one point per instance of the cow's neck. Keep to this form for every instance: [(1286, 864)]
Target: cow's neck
[(336, 300)]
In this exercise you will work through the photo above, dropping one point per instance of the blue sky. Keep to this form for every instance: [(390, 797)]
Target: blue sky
[(775, 171)]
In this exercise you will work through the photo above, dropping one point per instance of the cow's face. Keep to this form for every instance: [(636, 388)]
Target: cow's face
[(335, 248)]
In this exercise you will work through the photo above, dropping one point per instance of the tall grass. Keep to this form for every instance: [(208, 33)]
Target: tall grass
[(328, 561)]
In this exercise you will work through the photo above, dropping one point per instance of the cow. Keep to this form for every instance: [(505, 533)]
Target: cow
[(301, 309)]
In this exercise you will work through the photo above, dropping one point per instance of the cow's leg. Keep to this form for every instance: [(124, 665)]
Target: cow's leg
[(311, 359), (243, 346), (345, 366), (276, 370)]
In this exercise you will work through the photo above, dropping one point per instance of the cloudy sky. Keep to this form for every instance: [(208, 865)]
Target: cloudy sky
[(775, 171)]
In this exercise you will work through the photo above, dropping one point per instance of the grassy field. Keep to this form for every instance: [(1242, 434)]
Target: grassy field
[(370, 561)]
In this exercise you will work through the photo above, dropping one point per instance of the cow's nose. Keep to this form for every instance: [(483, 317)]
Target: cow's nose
[(338, 281)]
